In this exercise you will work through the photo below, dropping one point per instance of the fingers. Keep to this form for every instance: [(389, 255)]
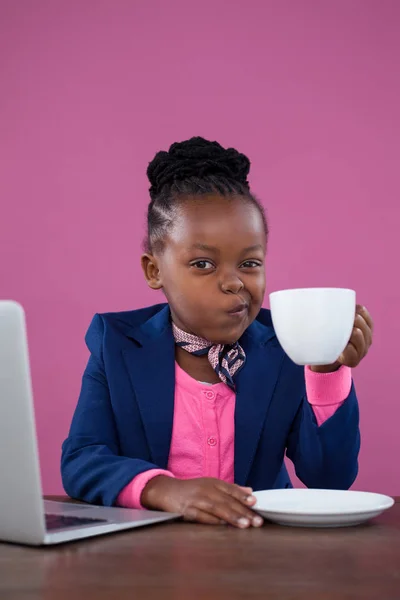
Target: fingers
[(361, 323), (361, 338), (231, 503), (234, 508), (350, 356), (355, 349), (214, 502), (241, 494), (200, 516), (361, 310), (227, 509), (357, 340)]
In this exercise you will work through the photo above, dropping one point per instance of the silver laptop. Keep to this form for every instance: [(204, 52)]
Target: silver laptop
[(24, 516)]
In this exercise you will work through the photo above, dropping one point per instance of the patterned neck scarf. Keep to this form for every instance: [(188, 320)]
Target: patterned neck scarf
[(226, 360)]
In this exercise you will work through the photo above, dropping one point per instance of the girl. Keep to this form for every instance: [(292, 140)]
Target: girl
[(188, 406)]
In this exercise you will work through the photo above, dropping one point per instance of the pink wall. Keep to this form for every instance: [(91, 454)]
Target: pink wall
[(91, 89)]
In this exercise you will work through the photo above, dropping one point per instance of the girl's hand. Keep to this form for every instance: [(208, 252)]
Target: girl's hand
[(358, 346), (205, 500)]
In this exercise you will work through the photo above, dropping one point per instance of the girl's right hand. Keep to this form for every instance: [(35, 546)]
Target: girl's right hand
[(205, 500)]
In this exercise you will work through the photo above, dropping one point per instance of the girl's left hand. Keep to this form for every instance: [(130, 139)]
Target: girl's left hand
[(358, 346)]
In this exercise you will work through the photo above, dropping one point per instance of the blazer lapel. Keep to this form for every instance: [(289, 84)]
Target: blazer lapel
[(149, 356), (151, 366), (255, 385)]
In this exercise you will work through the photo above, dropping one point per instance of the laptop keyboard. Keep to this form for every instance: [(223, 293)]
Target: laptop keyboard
[(62, 521)]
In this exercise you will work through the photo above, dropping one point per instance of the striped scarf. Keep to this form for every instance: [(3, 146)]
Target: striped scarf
[(226, 360)]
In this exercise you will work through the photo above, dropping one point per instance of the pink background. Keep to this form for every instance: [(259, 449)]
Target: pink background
[(90, 90)]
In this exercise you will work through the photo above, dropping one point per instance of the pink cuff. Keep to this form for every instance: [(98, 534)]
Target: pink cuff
[(130, 496), (326, 392)]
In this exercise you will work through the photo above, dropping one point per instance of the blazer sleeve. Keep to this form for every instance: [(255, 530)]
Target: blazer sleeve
[(326, 456), (92, 468)]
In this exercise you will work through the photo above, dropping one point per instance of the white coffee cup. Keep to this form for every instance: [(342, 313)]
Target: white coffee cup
[(313, 325)]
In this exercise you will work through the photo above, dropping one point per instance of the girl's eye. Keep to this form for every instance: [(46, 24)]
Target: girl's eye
[(202, 265), (250, 264)]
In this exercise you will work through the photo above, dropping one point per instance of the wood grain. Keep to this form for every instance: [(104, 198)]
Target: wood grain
[(194, 562)]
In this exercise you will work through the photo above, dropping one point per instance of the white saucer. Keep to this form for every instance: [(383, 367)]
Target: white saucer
[(320, 508)]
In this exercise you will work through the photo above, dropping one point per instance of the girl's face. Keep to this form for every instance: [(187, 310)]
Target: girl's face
[(212, 267)]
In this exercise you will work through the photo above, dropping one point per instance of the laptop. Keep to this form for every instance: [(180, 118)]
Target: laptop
[(24, 516)]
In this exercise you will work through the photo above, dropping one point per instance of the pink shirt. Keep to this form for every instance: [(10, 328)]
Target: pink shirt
[(202, 443)]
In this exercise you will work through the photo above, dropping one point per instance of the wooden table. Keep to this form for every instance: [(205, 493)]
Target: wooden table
[(184, 561)]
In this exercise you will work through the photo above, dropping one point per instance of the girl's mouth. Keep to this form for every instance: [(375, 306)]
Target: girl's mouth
[(239, 310)]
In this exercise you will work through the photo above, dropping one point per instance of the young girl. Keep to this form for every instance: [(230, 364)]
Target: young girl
[(189, 406)]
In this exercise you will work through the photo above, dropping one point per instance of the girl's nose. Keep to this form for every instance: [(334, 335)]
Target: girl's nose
[(232, 285)]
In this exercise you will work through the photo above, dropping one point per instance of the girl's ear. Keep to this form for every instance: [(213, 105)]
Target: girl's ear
[(151, 271)]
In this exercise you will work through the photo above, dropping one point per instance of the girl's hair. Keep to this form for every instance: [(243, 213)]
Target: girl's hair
[(195, 167)]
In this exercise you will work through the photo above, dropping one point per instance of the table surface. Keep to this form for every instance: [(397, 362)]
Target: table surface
[(186, 561)]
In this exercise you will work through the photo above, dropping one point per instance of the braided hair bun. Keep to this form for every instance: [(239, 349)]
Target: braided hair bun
[(193, 168), (196, 158)]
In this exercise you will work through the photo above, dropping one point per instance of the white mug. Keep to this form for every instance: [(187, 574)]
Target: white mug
[(313, 325)]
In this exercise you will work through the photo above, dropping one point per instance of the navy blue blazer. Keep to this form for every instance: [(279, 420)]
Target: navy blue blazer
[(123, 420)]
